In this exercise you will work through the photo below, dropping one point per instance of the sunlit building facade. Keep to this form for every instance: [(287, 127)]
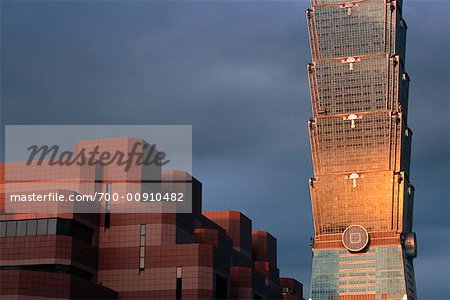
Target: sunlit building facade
[(50, 252), (361, 194)]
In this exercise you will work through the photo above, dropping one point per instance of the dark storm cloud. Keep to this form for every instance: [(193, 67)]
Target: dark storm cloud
[(236, 72)]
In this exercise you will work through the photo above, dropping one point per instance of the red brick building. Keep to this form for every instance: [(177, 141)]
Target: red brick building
[(132, 255)]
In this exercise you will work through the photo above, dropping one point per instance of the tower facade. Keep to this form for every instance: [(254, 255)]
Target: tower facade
[(361, 194)]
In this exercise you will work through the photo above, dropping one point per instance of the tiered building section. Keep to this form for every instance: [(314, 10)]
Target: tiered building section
[(361, 194)]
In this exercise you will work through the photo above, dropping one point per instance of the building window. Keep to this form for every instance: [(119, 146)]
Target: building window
[(108, 206), (108, 191), (53, 268), (221, 287), (82, 232), (142, 248), (31, 227), (21, 228), (51, 226), (179, 285), (42, 227), (11, 229), (2, 229), (64, 227)]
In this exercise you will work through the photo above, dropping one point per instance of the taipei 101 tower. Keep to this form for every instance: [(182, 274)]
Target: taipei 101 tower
[(361, 194)]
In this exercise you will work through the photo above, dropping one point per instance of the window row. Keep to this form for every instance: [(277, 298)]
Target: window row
[(51, 226)]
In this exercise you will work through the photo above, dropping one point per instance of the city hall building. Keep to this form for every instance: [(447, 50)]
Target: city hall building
[(129, 255)]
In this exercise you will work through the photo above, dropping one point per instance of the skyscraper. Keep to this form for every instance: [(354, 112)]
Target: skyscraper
[(361, 194)]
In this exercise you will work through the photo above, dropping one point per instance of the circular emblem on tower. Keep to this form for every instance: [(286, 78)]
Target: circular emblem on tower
[(355, 238)]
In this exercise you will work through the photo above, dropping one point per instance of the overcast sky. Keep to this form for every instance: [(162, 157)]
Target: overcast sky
[(236, 72)]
